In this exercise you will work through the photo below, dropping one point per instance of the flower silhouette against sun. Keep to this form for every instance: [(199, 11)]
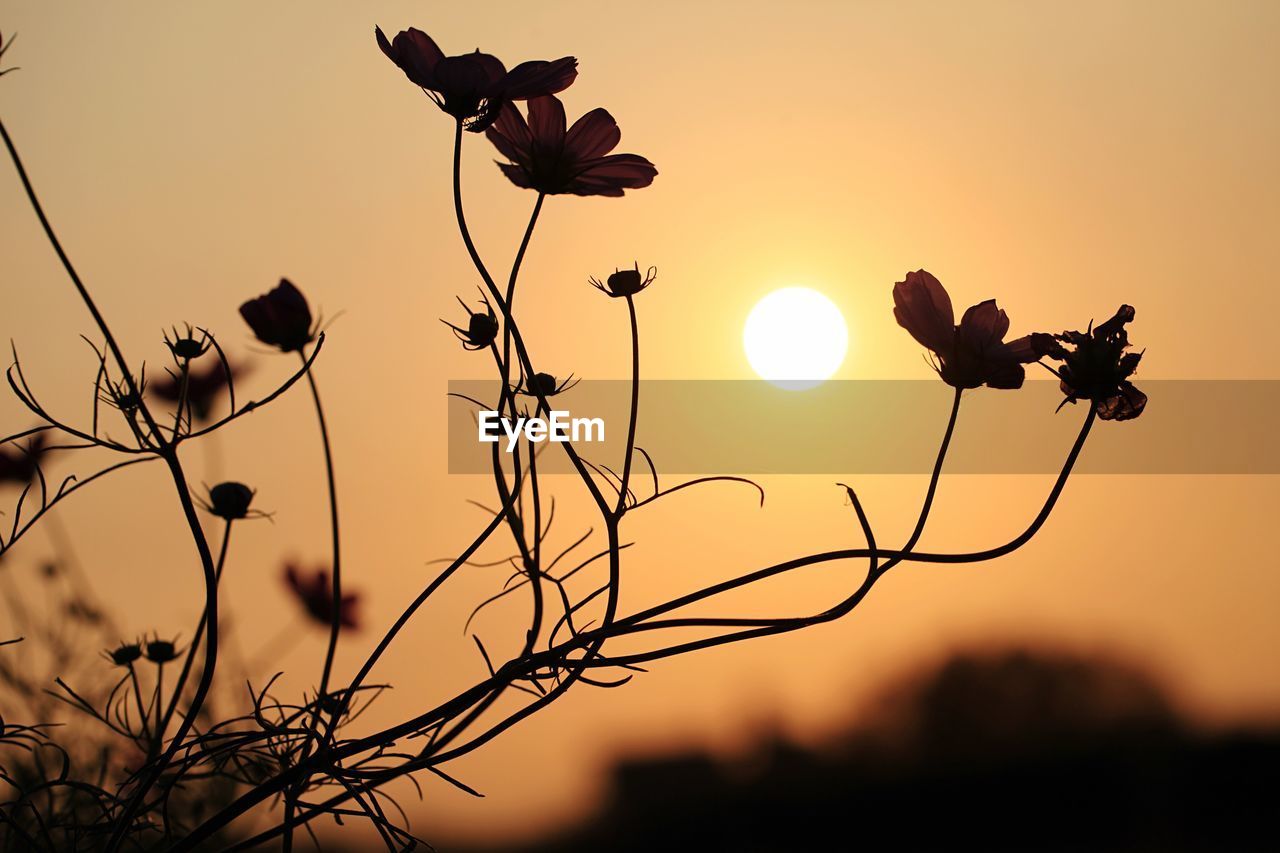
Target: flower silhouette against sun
[(314, 592), (552, 159), (1096, 366), (473, 87), (971, 354)]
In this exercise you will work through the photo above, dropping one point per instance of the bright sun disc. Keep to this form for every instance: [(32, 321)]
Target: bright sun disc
[(795, 338)]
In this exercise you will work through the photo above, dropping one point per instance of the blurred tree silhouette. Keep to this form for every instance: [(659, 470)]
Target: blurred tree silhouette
[(1010, 750)]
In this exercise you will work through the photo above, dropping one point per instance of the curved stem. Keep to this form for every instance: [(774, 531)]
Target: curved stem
[(169, 454), (508, 319), (210, 654), (630, 624), (195, 643), (98, 319)]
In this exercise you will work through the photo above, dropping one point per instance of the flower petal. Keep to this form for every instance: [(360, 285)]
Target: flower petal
[(546, 120), (510, 135), (983, 326), (540, 77), (1033, 347), (594, 135), (415, 54), (609, 176), (1126, 405), (516, 175), (922, 307)]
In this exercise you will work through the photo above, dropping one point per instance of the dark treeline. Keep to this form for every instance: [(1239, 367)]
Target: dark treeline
[(993, 751)]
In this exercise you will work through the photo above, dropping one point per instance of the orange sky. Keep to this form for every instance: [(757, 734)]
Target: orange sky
[(190, 155)]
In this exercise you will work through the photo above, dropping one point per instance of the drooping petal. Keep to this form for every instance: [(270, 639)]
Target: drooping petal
[(609, 176), (1116, 324), (1033, 347), (517, 175), (1125, 405), (539, 77), (547, 121), (594, 135), (511, 135), (922, 307), (415, 54)]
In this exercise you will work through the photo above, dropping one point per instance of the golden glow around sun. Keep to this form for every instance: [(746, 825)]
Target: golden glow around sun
[(795, 338)]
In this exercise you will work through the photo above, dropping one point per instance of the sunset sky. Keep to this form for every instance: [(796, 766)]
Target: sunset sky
[(1061, 159)]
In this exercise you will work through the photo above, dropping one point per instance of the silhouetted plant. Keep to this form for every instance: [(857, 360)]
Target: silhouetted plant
[(182, 770)]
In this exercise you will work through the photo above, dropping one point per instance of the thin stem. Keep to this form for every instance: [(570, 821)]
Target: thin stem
[(635, 409), (335, 624), (210, 653), (413, 607), (195, 643), (166, 450), (507, 317), (470, 696), (98, 319)]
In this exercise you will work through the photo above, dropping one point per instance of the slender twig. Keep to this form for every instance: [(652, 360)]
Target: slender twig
[(180, 686)]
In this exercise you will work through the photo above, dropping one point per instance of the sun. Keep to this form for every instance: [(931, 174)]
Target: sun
[(795, 338)]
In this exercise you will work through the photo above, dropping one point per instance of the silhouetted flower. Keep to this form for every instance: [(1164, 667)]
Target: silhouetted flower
[(230, 500), (550, 159), (1096, 367), (204, 387), (482, 327), (473, 87), (280, 318), (186, 346), (315, 592), (545, 384), (160, 651), (969, 355), (119, 395), (625, 282), (125, 654), (21, 463)]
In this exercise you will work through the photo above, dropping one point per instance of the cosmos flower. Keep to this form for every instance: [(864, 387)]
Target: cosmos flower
[(545, 384), (160, 651), (1096, 366), (481, 330), (280, 318), (229, 501), (547, 157), (315, 592), (124, 654), (185, 346), (625, 282), (473, 87), (970, 354)]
